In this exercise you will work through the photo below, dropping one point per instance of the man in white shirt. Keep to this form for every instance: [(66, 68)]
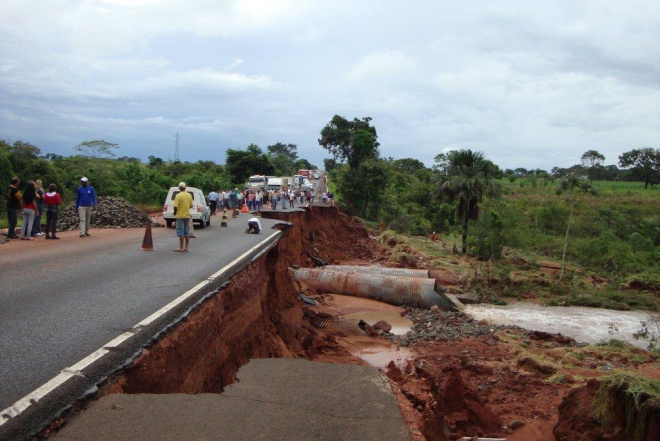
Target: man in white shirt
[(213, 200), (254, 226)]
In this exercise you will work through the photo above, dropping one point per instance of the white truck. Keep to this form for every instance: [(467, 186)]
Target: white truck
[(257, 182), (274, 184)]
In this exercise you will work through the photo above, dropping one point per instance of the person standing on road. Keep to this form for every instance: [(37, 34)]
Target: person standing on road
[(225, 199), (292, 199), (29, 209), (213, 200), (239, 200), (85, 200), (13, 205), (182, 205), (36, 226), (233, 195), (284, 196), (52, 200), (258, 200), (274, 197)]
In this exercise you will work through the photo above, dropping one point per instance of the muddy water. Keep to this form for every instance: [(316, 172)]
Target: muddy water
[(379, 354), (589, 325), (376, 352), (400, 325)]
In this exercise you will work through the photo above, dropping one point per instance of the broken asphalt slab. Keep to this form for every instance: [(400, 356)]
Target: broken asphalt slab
[(274, 399)]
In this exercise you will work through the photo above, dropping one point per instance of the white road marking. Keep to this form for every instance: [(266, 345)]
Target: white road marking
[(33, 397), (119, 340), (18, 407)]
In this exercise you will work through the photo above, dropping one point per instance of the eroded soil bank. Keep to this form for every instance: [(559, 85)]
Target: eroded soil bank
[(453, 376)]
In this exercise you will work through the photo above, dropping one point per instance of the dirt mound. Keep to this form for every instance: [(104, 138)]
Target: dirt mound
[(624, 417), (443, 404), (328, 234), (111, 212)]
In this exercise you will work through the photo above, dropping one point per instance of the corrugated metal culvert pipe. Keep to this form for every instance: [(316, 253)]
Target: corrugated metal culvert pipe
[(346, 325), (400, 291), (379, 270)]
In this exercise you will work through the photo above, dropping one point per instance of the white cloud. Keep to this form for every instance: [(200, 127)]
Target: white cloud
[(383, 64)]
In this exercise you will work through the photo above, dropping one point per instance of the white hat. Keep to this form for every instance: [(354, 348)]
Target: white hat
[(83, 179), (182, 185)]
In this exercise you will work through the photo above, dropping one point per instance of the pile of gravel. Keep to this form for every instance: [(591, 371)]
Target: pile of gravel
[(111, 212), (441, 325)]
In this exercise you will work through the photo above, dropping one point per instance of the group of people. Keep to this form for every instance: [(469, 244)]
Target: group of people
[(255, 199), (32, 201), (183, 202), (230, 199), (289, 198), (328, 198)]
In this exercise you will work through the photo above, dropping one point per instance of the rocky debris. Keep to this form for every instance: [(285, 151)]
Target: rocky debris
[(516, 424), (383, 326), (561, 339), (533, 365), (468, 298), (443, 325), (111, 212)]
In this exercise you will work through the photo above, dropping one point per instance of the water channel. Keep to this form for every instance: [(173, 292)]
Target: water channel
[(589, 325)]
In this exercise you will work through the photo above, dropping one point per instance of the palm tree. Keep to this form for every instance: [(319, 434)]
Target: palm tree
[(468, 177)]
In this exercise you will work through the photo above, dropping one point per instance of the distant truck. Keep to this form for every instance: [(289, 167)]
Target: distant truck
[(257, 182), (305, 173), (274, 184)]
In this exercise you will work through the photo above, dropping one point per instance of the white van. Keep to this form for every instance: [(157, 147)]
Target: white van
[(200, 212)]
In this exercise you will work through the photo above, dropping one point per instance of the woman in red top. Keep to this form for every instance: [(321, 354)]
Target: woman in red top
[(29, 210), (53, 201)]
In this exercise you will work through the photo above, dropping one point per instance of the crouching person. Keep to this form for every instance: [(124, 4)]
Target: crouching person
[(254, 226)]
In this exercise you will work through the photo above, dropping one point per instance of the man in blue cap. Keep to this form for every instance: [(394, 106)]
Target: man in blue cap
[(85, 200)]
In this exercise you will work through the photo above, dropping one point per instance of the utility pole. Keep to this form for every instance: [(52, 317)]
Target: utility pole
[(176, 147)]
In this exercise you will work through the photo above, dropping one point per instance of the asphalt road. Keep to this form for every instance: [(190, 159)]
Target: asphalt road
[(62, 300)]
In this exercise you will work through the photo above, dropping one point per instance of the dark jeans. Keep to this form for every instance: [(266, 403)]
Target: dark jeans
[(51, 222), (12, 219), (36, 226), (213, 206), (253, 228)]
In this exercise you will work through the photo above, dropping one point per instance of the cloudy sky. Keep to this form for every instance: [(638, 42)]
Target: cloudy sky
[(530, 83)]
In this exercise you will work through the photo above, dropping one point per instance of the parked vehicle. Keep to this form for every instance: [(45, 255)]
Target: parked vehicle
[(200, 211), (274, 184), (257, 182)]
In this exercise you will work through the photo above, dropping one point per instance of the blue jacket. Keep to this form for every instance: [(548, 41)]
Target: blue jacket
[(85, 196)]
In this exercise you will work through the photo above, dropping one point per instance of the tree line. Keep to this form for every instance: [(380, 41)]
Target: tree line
[(144, 183)]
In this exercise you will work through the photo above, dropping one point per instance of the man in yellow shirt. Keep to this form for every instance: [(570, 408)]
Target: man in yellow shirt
[(182, 204)]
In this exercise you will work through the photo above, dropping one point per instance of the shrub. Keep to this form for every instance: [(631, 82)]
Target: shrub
[(487, 239)]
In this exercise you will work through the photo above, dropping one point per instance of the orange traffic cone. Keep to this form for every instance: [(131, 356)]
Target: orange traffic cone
[(147, 242), (244, 208)]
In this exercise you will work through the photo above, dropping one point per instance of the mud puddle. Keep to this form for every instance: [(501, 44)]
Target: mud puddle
[(377, 353), (589, 325), (400, 325)]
